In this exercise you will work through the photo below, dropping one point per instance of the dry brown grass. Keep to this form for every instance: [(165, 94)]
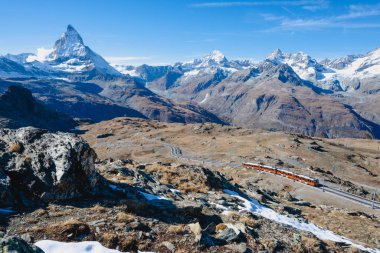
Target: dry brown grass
[(41, 212), (66, 230), (99, 208), (177, 229), (27, 160), (183, 179), (220, 226), (125, 217), (15, 147), (249, 221), (109, 240)]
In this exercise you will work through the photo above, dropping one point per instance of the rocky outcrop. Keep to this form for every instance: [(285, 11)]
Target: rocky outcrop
[(14, 244), (36, 165), (18, 108)]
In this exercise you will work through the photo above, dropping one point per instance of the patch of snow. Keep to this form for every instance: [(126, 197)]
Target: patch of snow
[(73, 66), (113, 187), (151, 197), (220, 207), (205, 99), (49, 246), (191, 73), (63, 79), (175, 191), (6, 211), (251, 205)]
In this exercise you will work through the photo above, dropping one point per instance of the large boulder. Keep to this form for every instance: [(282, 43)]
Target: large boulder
[(36, 165), (14, 244)]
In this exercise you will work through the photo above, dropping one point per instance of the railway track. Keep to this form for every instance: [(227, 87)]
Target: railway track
[(309, 181), (176, 152), (355, 198)]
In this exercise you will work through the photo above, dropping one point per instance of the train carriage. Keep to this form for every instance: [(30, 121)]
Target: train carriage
[(297, 177)]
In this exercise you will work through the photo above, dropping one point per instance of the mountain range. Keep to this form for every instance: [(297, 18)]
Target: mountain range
[(290, 92)]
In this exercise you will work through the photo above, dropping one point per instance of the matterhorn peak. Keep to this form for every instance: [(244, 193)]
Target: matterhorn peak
[(72, 34), (69, 45)]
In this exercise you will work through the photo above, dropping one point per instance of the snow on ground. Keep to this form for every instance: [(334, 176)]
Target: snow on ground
[(254, 206), (6, 211), (205, 99), (175, 191), (151, 197), (49, 246), (191, 73)]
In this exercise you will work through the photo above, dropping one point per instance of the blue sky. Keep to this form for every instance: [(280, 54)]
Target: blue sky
[(166, 31)]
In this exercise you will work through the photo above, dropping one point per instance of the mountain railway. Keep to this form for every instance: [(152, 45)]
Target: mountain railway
[(285, 173)]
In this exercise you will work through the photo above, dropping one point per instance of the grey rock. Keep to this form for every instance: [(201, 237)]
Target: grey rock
[(27, 237), (170, 246), (97, 222), (240, 248), (13, 244), (136, 225), (289, 197), (46, 166), (302, 203), (228, 235)]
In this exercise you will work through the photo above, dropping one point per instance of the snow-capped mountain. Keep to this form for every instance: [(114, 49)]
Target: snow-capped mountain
[(211, 63), (362, 66), (216, 60), (9, 68), (340, 63), (70, 54), (341, 74), (213, 59), (305, 66)]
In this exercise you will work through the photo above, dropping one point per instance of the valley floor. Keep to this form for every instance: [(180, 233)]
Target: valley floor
[(350, 164)]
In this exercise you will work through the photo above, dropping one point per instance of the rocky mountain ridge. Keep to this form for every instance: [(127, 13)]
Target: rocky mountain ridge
[(19, 108), (75, 80), (284, 92)]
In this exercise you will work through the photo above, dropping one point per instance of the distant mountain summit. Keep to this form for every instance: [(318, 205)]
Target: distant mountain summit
[(285, 91), (70, 54), (74, 79), (69, 57), (70, 45), (213, 59)]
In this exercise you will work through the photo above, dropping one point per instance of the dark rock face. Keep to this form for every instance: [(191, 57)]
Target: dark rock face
[(14, 244), (18, 108), (36, 166)]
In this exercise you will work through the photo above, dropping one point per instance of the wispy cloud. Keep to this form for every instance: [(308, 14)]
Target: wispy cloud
[(352, 19), (307, 4), (310, 24), (361, 11)]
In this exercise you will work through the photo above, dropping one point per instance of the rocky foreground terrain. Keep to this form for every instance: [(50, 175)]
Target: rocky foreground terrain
[(53, 186)]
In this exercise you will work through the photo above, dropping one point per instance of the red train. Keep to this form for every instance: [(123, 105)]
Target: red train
[(301, 178)]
